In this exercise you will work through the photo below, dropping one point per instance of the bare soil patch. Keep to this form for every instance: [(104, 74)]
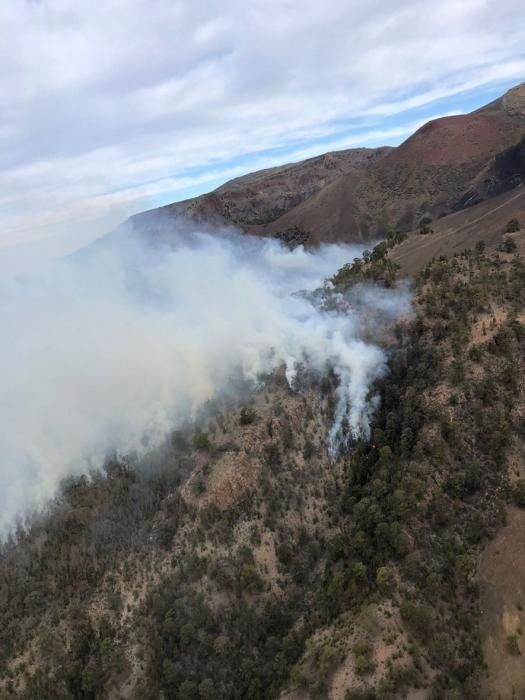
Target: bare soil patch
[(502, 609)]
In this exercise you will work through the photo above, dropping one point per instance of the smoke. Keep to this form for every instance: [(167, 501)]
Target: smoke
[(113, 348)]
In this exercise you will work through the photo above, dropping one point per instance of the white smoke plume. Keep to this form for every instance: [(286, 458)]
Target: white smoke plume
[(121, 343)]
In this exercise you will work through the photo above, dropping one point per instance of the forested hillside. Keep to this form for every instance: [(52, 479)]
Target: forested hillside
[(238, 561)]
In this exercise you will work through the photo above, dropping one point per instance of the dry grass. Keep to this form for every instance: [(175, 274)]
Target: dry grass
[(502, 607)]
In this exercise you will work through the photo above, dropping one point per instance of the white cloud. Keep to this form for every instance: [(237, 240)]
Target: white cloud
[(104, 211), (102, 97)]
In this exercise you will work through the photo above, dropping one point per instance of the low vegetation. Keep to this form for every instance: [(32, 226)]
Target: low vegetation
[(512, 226), (373, 267), (236, 562)]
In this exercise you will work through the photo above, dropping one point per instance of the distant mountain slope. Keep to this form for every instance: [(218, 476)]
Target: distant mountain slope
[(360, 194), (427, 176), (485, 221), (261, 197), (505, 171)]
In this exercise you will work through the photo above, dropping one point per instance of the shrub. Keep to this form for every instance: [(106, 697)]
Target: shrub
[(364, 665), (418, 618), (362, 648), (518, 493), (284, 554), (198, 486), (201, 441), (363, 658), (247, 415), (512, 226), (512, 645), (361, 694), (206, 689), (476, 353), (508, 245), (385, 580), (249, 580)]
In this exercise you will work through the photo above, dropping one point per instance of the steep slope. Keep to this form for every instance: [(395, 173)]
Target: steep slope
[(237, 562), (361, 194), (505, 171), (484, 222), (431, 174), (263, 196)]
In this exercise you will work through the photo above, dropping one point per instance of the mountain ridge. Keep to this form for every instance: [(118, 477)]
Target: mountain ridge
[(360, 194)]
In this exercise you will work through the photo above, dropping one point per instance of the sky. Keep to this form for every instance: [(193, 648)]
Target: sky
[(115, 107)]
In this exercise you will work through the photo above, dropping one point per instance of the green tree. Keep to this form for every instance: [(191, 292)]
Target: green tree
[(385, 580)]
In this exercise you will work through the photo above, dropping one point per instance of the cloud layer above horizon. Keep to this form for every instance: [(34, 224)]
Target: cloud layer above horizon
[(113, 107)]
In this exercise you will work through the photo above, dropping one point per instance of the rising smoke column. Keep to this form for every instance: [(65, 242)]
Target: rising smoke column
[(124, 342)]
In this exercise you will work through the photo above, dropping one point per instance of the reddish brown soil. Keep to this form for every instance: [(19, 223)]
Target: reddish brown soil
[(426, 176), (360, 194), (457, 139)]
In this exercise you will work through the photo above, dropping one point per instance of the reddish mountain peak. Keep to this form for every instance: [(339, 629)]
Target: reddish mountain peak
[(358, 194), (462, 138), (513, 101)]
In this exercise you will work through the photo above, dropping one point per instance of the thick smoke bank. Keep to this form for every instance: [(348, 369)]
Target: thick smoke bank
[(112, 349)]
